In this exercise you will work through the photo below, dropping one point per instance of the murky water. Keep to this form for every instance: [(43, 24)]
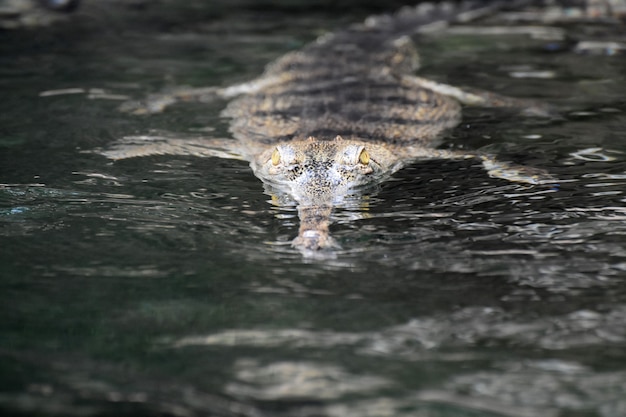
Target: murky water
[(167, 285)]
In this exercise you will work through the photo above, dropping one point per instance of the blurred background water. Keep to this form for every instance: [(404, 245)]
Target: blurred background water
[(166, 285)]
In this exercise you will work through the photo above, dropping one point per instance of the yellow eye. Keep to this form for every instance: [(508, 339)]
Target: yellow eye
[(275, 157), (364, 157)]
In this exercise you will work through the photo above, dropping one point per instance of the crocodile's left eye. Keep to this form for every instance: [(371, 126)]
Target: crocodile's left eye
[(276, 157), (284, 155), (364, 157)]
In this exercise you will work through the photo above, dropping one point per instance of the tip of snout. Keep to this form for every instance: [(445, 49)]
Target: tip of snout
[(315, 240)]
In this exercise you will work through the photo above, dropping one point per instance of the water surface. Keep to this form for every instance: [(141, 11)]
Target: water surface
[(167, 285)]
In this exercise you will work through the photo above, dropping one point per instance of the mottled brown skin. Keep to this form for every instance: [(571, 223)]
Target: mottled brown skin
[(344, 112), (330, 99), (318, 174)]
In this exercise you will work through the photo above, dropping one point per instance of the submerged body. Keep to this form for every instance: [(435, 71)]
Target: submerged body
[(343, 112)]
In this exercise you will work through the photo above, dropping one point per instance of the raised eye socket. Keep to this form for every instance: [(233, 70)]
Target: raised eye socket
[(364, 157), (275, 157)]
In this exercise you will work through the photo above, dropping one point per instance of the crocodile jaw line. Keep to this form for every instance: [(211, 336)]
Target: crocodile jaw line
[(318, 175)]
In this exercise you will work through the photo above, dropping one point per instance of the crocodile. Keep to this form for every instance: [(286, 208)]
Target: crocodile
[(344, 112)]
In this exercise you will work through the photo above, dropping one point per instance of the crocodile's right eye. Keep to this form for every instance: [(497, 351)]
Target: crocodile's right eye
[(364, 157), (275, 157)]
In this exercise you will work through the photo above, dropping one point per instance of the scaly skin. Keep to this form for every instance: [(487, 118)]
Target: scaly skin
[(318, 175), (344, 112)]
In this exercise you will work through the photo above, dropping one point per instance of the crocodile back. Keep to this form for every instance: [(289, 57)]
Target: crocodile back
[(375, 109), (350, 83)]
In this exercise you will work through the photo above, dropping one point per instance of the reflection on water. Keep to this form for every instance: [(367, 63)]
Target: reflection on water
[(417, 339), (298, 380), (167, 285), (541, 386)]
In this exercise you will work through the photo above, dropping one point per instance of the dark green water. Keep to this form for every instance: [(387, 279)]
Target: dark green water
[(166, 286)]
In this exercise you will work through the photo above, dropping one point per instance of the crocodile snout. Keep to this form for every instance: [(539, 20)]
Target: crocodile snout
[(314, 240), (314, 234)]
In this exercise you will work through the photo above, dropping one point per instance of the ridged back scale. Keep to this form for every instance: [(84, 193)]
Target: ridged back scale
[(350, 84)]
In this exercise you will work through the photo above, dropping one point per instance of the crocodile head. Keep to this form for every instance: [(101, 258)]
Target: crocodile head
[(318, 175)]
